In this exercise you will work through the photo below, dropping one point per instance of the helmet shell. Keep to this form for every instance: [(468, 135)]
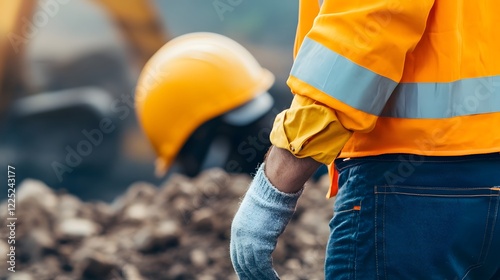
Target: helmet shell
[(190, 80)]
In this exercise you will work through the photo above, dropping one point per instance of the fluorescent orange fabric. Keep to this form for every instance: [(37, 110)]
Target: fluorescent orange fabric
[(308, 10), (418, 77)]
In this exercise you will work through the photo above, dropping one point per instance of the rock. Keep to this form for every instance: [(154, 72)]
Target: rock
[(21, 276), (177, 186), (76, 228), (102, 213), (98, 266), (64, 277), (180, 231), (218, 253), (144, 240), (32, 216), (137, 212), (66, 251), (131, 272), (202, 220), (123, 236), (139, 192), (167, 230), (47, 268), (293, 264), (206, 277), (37, 243), (183, 207), (101, 244), (69, 206), (238, 185), (34, 190), (232, 277), (199, 258), (166, 235), (290, 276), (142, 191), (95, 258), (178, 271), (211, 182), (156, 238)]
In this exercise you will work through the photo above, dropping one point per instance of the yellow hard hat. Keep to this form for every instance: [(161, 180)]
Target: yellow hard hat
[(190, 80)]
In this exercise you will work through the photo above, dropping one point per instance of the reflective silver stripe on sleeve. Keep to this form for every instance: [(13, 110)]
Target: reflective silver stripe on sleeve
[(341, 78), (365, 90)]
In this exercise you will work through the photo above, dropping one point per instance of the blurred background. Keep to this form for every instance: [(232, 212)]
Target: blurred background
[(68, 72), (67, 65)]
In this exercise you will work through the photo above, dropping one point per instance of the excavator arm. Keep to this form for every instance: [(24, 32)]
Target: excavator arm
[(12, 45), (140, 24)]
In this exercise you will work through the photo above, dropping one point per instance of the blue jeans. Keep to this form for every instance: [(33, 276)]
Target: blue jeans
[(415, 217)]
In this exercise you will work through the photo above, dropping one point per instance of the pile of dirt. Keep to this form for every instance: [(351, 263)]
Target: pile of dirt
[(179, 230)]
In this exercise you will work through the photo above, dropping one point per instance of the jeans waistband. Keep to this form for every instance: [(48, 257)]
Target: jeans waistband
[(469, 170), (345, 162)]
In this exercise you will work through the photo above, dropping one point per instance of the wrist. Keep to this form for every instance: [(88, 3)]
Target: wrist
[(286, 172), (264, 189)]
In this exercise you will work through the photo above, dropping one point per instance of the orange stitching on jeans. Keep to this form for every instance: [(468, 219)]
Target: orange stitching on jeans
[(357, 207)]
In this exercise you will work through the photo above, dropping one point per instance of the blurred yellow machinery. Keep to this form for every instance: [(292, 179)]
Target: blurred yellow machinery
[(137, 20), (72, 130), (55, 133)]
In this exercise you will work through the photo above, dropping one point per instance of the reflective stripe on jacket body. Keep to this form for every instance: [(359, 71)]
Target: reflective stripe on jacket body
[(420, 77)]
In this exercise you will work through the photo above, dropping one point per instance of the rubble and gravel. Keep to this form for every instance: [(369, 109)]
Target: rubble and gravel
[(179, 230)]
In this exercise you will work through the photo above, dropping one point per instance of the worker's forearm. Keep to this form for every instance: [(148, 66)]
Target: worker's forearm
[(286, 172)]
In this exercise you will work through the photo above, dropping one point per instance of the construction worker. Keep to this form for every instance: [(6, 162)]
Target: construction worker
[(404, 98), (202, 101)]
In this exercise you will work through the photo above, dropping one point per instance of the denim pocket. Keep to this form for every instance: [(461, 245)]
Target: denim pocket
[(434, 232)]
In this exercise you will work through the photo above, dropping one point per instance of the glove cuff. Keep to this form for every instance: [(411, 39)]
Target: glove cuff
[(264, 191)]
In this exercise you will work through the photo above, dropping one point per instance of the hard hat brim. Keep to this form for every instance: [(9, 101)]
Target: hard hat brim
[(250, 111)]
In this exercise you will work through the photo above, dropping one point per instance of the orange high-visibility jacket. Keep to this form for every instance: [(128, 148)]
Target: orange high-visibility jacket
[(420, 77)]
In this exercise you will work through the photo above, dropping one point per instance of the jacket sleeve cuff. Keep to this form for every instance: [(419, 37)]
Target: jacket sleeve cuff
[(309, 129)]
